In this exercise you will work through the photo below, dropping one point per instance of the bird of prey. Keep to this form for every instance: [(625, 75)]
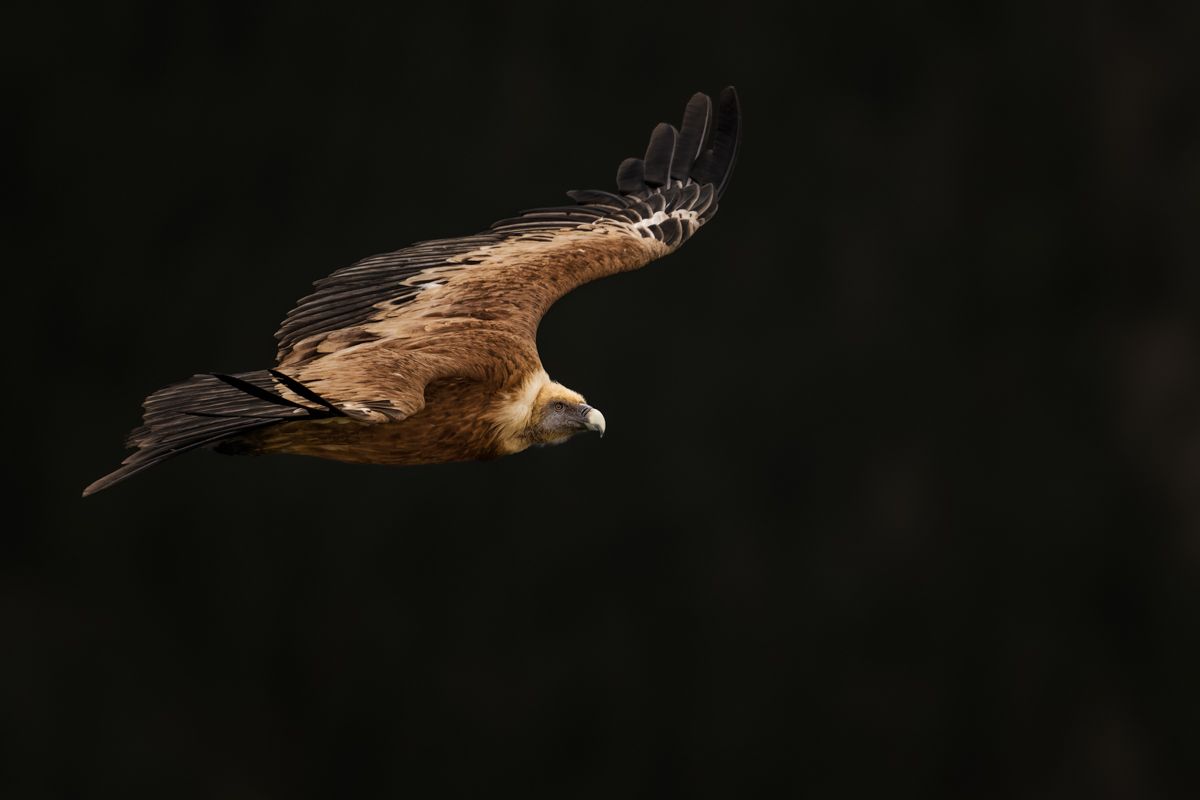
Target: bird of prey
[(428, 354)]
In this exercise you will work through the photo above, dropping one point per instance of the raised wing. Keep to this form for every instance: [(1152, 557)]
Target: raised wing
[(419, 300)]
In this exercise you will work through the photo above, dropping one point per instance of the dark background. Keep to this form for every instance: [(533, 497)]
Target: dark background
[(900, 494)]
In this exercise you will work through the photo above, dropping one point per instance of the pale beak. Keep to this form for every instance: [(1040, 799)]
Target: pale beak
[(595, 421)]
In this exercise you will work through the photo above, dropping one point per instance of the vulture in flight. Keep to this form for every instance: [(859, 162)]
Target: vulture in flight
[(429, 353)]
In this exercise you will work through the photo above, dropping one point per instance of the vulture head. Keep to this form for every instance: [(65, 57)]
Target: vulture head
[(559, 413)]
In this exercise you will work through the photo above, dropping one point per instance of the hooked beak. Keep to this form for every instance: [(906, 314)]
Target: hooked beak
[(595, 421)]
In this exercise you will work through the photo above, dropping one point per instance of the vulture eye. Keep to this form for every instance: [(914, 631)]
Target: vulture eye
[(559, 406)]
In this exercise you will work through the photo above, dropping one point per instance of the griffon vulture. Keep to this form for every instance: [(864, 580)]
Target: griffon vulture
[(429, 354)]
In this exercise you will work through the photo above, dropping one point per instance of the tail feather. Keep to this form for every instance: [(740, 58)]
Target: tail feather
[(208, 409)]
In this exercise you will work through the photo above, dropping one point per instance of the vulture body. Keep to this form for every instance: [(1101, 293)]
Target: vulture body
[(428, 354)]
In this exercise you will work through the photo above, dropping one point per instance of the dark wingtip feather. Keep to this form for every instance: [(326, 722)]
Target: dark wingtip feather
[(692, 133), (715, 164), (659, 154), (683, 173), (630, 176), (729, 135)]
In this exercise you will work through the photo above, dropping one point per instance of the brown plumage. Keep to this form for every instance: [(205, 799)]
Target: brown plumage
[(429, 354)]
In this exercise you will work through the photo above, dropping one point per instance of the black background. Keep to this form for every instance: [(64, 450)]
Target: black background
[(900, 492)]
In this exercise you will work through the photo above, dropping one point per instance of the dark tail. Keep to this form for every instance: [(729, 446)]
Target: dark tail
[(208, 409)]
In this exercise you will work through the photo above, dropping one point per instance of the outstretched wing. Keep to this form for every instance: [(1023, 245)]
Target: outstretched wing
[(428, 309)]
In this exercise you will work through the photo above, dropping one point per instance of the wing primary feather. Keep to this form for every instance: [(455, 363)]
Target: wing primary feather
[(716, 164), (728, 136), (659, 153), (692, 132), (630, 176)]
